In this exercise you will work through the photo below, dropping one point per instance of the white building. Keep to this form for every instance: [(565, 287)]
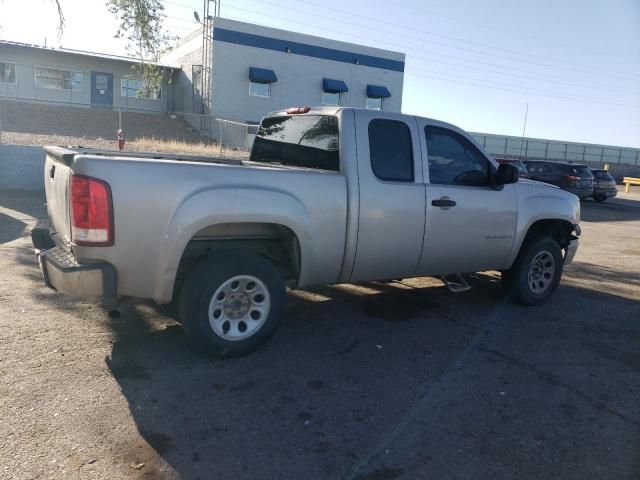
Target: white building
[(254, 70)]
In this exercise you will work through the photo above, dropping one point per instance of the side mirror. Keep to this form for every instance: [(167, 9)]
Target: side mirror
[(506, 174)]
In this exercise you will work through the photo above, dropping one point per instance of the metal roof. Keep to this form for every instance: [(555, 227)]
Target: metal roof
[(107, 56)]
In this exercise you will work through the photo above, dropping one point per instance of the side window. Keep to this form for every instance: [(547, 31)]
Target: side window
[(453, 159), (391, 150)]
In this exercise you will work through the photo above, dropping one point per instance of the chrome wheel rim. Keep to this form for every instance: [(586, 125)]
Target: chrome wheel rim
[(239, 307), (541, 272)]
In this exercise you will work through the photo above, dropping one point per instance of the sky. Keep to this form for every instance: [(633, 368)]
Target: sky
[(472, 63)]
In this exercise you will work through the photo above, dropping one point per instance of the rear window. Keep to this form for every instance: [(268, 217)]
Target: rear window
[(538, 168), (309, 141), (581, 171), (600, 175)]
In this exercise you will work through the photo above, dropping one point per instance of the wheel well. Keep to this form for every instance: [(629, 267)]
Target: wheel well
[(277, 243), (560, 230)]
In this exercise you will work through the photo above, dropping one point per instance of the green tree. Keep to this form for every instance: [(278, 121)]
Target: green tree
[(141, 25)]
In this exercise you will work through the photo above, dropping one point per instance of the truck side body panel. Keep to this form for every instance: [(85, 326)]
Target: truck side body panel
[(160, 205)]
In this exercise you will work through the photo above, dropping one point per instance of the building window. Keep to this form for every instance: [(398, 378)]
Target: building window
[(260, 80), (135, 88), (375, 96), (332, 91), (331, 98), (257, 89), (58, 79), (374, 103), (7, 72)]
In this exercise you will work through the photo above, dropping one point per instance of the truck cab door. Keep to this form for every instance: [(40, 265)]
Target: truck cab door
[(470, 226), (392, 196)]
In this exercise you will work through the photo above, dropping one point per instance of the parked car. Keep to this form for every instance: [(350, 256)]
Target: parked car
[(604, 185), (572, 177), (329, 195), (519, 164)]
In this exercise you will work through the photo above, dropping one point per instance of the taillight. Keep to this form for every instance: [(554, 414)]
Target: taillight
[(91, 212), (297, 110), (571, 178)]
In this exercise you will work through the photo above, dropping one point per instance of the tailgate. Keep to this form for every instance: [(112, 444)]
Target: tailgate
[(57, 171)]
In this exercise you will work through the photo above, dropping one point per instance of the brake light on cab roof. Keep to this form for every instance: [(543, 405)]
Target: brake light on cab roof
[(297, 110)]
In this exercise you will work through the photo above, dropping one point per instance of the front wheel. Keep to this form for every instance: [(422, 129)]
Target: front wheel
[(231, 303), (536, 273)]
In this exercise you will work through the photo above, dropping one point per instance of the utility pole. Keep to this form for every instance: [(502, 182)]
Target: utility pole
[(208, 16), (524, 127)]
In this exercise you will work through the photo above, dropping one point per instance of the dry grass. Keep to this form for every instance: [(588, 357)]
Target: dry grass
[(142, 144), (145, 144)]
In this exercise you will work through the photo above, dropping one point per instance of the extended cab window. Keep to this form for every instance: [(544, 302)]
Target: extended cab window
[(391, 150), (309, 141), (453, 159)]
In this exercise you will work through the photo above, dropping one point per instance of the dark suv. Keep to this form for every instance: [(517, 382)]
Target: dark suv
[(604, 185), (572, 177)]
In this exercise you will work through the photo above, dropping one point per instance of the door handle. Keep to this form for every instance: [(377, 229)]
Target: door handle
[(444, 202)]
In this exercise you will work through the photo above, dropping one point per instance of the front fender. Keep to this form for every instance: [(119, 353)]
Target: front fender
[(228, 204), (536, 205)]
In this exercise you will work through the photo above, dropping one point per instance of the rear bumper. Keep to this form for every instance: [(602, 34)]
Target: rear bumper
[(64, 274), (581, 192), (605, 192)]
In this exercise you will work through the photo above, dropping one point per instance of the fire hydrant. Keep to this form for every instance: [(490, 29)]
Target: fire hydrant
[(120, 139)]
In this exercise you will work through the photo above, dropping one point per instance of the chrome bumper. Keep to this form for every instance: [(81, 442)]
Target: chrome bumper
[(570, 251), (64, 274)]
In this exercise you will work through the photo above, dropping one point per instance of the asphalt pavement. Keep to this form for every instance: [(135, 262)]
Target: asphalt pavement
[(378, 381)]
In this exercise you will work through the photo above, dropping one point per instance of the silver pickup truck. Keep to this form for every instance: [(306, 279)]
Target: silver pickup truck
[(329, 195)]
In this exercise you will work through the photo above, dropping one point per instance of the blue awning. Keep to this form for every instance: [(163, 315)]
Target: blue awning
[(262, 75), (334, 86), (377, 91)]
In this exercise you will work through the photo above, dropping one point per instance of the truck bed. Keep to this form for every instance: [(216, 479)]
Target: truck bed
[(162, 201)]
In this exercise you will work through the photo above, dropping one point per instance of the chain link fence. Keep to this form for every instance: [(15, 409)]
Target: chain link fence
[(45, 122), (71, 123)]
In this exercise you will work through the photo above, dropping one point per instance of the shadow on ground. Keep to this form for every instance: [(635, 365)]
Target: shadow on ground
[(28, 202), (11, 228), (613, 210), (397, 382)]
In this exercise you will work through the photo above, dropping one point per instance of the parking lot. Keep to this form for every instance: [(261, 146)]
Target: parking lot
[(379, 381)]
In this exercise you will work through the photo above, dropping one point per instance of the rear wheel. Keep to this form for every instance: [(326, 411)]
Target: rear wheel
[(599, 198), (231, 303), (536, 273)]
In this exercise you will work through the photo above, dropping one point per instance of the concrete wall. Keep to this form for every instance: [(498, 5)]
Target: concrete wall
[(299, 76), (22, 167), (186, 53), (26, 58), (510, 146)]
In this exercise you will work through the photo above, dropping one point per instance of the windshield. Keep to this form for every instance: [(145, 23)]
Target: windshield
[(309, 141)]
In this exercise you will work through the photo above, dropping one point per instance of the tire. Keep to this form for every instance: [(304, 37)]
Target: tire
[(599, 198), (542, 257), (231, 303)]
